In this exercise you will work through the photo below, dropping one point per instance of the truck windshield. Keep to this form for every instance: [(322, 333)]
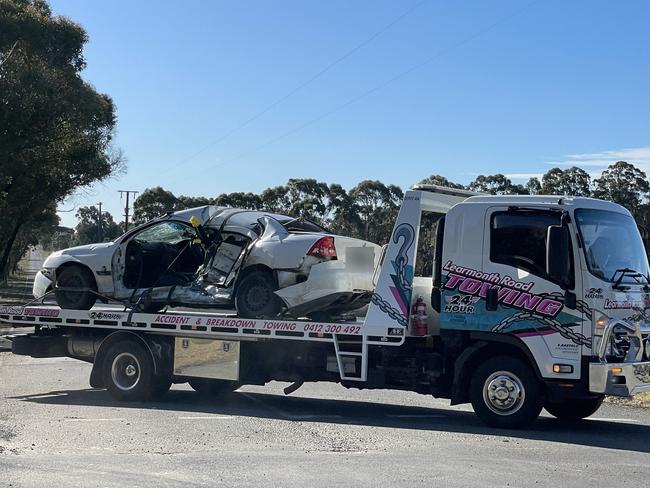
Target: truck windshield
[(613, 247)]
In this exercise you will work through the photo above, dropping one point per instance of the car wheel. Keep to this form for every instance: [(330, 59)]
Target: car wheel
[(212, 388), (505, 393), (129, 371), (255, 297), (573, 410), (68, 281)]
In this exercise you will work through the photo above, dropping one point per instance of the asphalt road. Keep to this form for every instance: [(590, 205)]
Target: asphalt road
[(55, 431)]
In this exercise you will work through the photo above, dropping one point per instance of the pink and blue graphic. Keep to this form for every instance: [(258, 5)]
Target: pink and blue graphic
[(403, 271)]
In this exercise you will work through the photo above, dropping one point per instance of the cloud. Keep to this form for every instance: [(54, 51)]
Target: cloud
[(638, 156), (595, 163)]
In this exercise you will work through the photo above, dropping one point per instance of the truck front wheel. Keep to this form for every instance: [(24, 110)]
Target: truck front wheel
[(572, 410), (505, 393), (129, 371)]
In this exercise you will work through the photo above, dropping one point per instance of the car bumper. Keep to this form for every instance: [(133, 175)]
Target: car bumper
[(41, 285), (329, 284), (619, 379)]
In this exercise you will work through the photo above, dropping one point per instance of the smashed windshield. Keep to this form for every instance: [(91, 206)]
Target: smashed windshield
[(171, 232), (613, 247)]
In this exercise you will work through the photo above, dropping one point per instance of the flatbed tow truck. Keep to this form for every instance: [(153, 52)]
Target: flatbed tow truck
[(512, 303)]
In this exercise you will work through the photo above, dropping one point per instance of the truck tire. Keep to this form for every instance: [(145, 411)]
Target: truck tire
[(505, 393), (75, 277), (128, 371), (573, 410), (255, 297), (212, 388)]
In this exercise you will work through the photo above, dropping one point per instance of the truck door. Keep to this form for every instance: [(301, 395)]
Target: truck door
[(530, 305)]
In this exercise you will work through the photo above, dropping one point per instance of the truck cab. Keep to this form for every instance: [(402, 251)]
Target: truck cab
[(558, 284)]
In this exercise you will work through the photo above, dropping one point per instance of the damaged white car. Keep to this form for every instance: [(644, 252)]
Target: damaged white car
[(264, 264)]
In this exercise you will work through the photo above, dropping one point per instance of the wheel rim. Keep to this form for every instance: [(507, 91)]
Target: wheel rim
[(125, 371), (503, 393), (257, 296)]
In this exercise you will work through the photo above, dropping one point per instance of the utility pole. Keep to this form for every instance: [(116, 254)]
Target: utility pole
[(126, 207), (99, 221)]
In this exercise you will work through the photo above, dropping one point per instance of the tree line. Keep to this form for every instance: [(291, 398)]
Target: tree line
[(55, 129), (368, 210)]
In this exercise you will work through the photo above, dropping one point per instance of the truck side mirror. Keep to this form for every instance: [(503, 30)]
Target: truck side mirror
[(558, 255)]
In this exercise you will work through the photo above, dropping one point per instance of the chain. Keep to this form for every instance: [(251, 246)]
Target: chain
[(581, 306), (563, 330), (387, 308), (404, 231)]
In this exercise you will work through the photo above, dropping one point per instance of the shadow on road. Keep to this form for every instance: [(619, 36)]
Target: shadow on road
[(607, 434)]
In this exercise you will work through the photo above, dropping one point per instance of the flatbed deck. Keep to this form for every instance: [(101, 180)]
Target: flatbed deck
[(205, 324)]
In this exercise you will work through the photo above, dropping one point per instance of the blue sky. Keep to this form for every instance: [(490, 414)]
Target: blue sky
[(359, 90)]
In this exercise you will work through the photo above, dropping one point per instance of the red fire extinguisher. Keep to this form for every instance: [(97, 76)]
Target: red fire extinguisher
[(419, 318)]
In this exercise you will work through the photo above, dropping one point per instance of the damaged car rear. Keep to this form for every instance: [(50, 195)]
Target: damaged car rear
[(263, 264)]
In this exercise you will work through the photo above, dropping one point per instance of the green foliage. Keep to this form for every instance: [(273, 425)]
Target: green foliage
[(183, 202), (624, 184), (496, 185), (571, 182), (249, 201), (152, 203), (93, 228), (55, 129), (377, 206), (39, 229), (439, 180), (533, 186)]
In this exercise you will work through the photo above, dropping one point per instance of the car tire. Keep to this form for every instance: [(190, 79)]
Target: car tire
[(128, 372), (574, 410), (255, 297), (75, 277), (505, 393), (213, 388)]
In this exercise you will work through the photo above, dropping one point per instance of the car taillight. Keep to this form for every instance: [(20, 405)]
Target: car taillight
[(323, 249)]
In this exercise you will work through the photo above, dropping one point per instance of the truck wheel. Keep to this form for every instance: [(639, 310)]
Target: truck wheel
[(574, 409), (75, 277), (505, 393), (129, 371), (212, 388), (255, 297)]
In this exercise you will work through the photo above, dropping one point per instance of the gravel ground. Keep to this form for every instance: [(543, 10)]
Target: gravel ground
[(55, 430)]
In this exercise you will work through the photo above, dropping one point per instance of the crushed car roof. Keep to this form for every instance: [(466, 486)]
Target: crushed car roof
[(214, 216)]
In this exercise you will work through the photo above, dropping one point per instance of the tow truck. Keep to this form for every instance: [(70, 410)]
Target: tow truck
[(511, 303)]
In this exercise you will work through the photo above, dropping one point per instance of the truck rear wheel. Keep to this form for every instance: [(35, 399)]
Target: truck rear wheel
[(574, 409), (505, 393), (212, 388), (128, 371)]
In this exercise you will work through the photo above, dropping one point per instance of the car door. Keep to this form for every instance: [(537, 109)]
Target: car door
[(147, 252)]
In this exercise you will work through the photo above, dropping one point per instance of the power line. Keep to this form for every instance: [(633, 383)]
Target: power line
[(303, 84), (380, 86)]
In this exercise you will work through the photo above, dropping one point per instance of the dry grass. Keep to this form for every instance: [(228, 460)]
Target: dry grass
[(641, 400)]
